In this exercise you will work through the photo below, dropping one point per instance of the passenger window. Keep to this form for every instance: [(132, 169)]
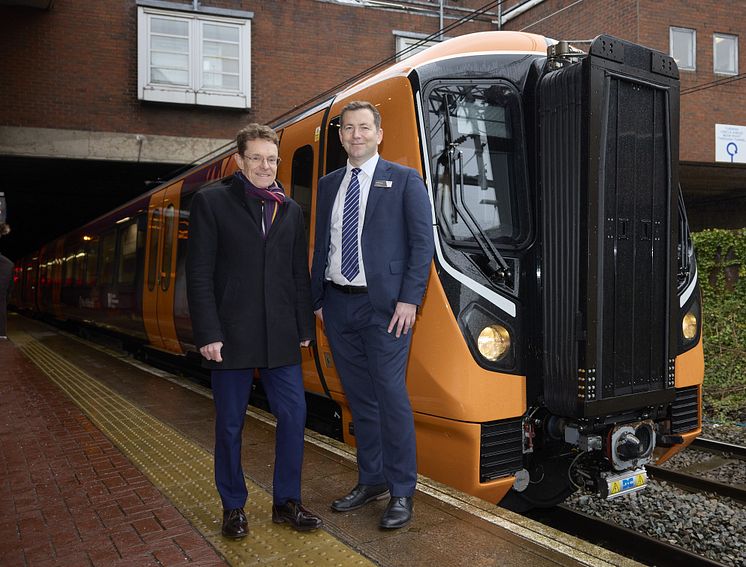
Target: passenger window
[(302, 179), (108, 248), (91, 271), (168, 240), (69, 277), (336, 156), (155, 237), (127, 254)]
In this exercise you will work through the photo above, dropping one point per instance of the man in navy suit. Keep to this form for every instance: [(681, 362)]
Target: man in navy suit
[(372, 255)]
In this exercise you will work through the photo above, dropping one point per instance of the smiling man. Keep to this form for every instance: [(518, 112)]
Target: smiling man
[(250, 305), (372, 255)]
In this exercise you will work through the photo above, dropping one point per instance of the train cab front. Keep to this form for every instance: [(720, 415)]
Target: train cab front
[(564, 257)]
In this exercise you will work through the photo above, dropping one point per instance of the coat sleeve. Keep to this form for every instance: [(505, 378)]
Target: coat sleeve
[(200, 272), (303, 311), (420, 240)]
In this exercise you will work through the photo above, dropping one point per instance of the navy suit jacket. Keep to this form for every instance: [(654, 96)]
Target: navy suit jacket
[(397, 237)]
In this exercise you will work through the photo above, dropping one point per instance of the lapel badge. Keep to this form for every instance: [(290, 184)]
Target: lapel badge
[(385, 183)]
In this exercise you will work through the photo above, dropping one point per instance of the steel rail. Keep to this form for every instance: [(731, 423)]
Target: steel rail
[(712, 445), (697, 483), (624, 541)]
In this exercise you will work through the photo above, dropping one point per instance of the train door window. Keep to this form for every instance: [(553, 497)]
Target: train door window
[(69, 268), (91, 271), (302, 179), (168, 240), (81, 260), (108, 249), (127, 254), (336, 156), (155, 237)]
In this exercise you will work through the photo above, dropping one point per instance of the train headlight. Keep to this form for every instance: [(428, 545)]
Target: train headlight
[(493, 342), (689, 326)]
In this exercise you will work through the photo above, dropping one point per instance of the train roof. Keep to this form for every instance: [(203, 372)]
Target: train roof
[(479, 43)]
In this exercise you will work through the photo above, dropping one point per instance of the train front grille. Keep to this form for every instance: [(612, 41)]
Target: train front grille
[(501, 449), (685, 410)]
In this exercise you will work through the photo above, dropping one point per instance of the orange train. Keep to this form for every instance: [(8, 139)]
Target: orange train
[(559, 343)]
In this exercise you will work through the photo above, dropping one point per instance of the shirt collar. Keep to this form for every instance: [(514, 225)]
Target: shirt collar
[(369, 167)]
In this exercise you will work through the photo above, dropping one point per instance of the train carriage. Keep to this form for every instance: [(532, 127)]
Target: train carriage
[(559, 342)]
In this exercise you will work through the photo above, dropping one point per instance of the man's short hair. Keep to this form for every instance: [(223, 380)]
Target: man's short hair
[(255, 131), (361, 105)]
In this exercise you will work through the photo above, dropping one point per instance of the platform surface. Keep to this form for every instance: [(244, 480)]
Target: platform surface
[(107, 462)]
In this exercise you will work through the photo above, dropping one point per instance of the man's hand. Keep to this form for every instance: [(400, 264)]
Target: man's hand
[(320, 314), (212, 351), (403, 319), (305, 343)]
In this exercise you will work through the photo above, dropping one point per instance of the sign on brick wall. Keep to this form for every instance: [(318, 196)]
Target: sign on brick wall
[(730, 143)]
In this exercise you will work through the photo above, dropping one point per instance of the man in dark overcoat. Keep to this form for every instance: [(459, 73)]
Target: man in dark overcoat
[(249, 300)]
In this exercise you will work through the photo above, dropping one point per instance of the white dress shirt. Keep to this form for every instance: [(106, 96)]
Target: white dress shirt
[(334, 265)]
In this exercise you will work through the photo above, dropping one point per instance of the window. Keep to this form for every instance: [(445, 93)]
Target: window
[(108, 247), (302, 179), (127, 254), (336, 156), (406, 41), (168, 243), (725, 54), (155, 237), (478, 163), (190, 58), (684, 48)]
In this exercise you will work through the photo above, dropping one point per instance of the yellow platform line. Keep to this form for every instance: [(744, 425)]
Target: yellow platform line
[(183, 472)]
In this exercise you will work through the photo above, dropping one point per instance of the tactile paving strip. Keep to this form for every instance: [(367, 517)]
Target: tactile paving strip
[(183, 471)]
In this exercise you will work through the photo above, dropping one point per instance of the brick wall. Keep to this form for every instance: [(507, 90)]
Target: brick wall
[(75, 66), (647, 22)]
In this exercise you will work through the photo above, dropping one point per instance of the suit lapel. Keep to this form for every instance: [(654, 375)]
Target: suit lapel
[(382, 173)]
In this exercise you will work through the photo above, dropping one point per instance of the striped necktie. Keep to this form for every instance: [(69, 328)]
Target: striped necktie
[(350, 262)]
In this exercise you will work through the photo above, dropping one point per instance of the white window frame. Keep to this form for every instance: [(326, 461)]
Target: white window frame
[(194, 93), (715, 69), (693, 34), (403, 40)]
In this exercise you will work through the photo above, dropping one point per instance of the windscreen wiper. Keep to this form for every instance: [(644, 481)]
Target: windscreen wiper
[(496, 264)]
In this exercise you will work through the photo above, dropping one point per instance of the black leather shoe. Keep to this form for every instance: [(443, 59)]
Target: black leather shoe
[(235, 524), (398, 513), (296, 515), (360, 496)]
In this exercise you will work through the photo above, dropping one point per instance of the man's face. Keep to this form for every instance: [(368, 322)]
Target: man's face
[(259, 162), (359, 135)]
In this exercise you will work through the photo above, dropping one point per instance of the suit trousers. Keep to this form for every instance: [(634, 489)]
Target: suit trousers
[(231, 390), (372, 366)]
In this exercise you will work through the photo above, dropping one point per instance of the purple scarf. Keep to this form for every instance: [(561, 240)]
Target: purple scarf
[(272, 197)]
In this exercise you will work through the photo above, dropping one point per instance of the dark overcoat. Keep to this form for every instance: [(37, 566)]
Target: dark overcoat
[(250, 293)]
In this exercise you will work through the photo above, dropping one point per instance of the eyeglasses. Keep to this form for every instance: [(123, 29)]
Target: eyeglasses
[(256, 160)]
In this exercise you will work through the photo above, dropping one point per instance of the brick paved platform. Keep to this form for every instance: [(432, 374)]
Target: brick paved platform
[(68, 496)]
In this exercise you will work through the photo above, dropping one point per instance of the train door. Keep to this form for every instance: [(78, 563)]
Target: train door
[(301, 154), (160, 268)]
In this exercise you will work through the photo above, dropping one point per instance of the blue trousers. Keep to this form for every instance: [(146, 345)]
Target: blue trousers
[(231, 390), (372, 366)]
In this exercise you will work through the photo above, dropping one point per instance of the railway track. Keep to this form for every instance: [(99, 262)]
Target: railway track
[(693, 477), (627, 542)]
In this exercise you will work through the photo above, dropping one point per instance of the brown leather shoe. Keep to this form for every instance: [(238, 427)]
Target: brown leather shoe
[(360, 496), (296, 515), (235, 524)]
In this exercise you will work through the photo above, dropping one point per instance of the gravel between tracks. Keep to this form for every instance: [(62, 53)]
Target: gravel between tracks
[(702, 523)]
